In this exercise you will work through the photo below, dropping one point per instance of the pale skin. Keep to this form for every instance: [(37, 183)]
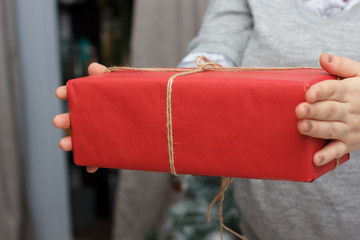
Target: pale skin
[(331, 110)]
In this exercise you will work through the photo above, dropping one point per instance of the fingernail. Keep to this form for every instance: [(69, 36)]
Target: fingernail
[(321, 160), (307, 110), (308, 126), (330, 58)]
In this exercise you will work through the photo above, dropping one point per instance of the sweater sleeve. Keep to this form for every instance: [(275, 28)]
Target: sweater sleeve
[(226, 28)]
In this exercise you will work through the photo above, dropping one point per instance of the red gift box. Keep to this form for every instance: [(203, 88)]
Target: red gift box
[(224, 123)]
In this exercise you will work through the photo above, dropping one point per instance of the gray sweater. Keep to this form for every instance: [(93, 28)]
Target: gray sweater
[(276, 33)]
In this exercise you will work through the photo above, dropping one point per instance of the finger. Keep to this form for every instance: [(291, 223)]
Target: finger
[(331, 151), (91, 169), (66, 144), (322, 129), (324, 110), (340, 66), (327, 90), (61, 92), (96, 68), (62, 121)]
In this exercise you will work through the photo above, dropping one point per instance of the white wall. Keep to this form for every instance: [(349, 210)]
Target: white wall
[(46, 165)]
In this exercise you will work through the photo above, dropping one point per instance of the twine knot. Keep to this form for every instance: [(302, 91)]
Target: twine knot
[(202, 66)]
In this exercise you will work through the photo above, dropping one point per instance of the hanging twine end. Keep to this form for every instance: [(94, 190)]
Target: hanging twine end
[(225, 182)]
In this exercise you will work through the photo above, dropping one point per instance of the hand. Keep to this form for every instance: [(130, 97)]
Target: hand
[(62, 121), (332, 109)]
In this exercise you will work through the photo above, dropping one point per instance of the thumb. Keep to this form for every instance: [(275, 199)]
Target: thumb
[(340, 66), (96, 68)]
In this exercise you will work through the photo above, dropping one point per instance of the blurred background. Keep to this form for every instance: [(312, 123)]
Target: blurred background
[(43, 195)]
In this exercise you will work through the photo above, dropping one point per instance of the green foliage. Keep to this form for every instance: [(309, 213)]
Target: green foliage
[(151, 235), (188, 217)]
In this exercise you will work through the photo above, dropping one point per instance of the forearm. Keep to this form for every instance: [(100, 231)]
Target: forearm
[(226, 28)]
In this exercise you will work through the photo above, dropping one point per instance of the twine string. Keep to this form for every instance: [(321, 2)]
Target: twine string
[(169, 118), (202, 63), (225, 183)]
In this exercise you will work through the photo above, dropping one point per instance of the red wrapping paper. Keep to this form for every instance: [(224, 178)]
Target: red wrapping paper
[(225, 123)]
